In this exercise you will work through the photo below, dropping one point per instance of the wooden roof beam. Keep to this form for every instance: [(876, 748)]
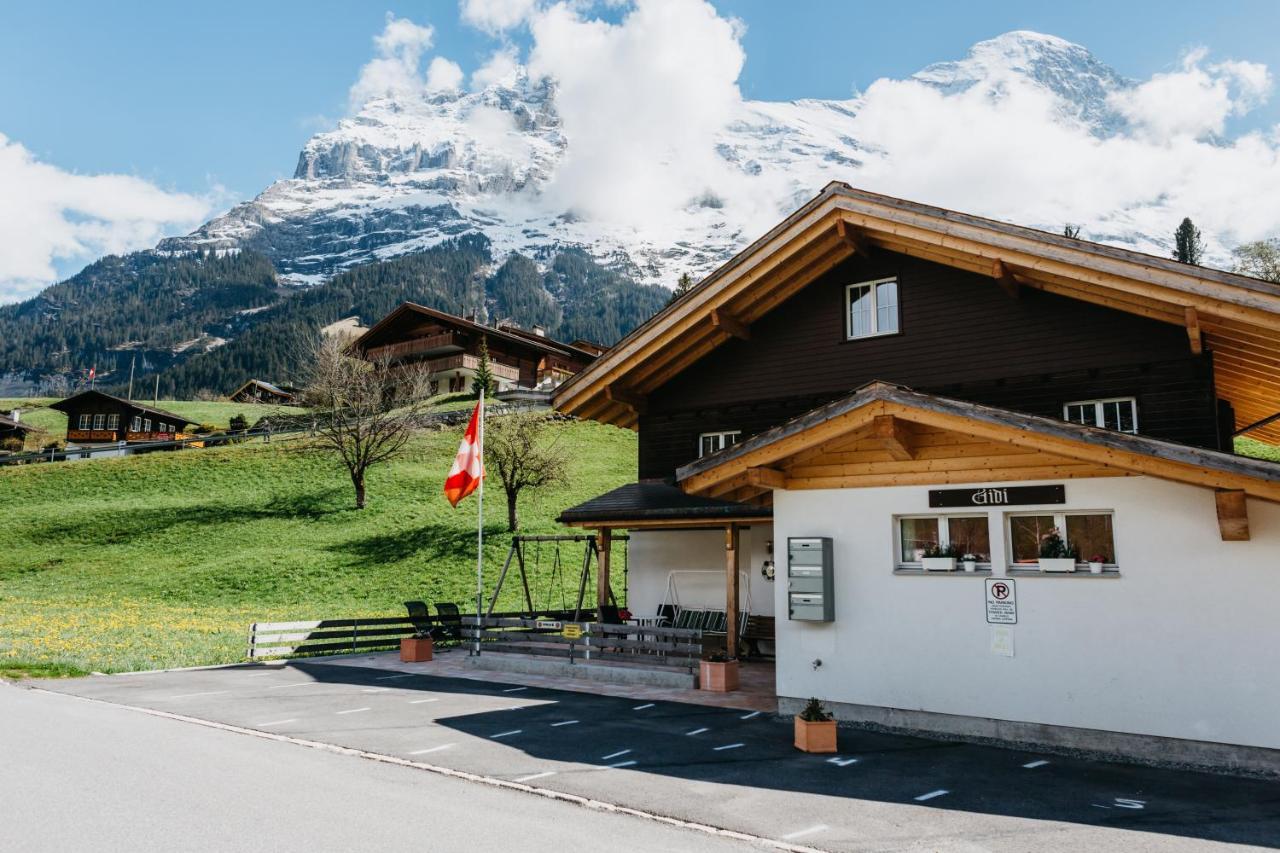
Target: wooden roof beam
[(637, 403), (1233, 515), (894, 435), (730, 325), (1004, 277), (767, 478), (1193, 331), (852, 238)]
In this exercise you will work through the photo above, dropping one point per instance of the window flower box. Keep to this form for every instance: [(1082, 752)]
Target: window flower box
[(938, 564), (1055, 555), (1057, 564)]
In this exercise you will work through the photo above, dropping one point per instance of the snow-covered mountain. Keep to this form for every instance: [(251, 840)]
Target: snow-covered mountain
[(401, 176)]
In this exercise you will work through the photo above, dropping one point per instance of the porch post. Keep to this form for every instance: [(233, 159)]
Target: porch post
[(731, 590), (603, 542)]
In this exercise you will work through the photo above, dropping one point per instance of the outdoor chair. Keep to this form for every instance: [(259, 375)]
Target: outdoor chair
[(449, 618), (420, 616)]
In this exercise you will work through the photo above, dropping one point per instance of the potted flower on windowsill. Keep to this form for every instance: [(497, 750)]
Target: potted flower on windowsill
[(1096, 562), (937, 558), (718, 673), (1055, 556), (815, 729), (969, 562)]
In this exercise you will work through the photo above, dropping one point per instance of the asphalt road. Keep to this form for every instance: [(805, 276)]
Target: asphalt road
[(81, 776), (724, 767)]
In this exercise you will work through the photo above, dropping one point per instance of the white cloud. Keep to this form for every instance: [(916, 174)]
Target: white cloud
[(49, 215), (395, 71), (443, 75), (501, 69), (642, 103), (1195, 101), (495, 16)]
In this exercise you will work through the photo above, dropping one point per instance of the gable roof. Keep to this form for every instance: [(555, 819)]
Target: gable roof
[(640, 504), (264, 385), (519, 337), (71, 404), (1235, 316), (10, 424), (1104, 451)]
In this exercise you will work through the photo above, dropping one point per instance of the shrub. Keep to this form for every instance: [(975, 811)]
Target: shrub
[(814, 712)]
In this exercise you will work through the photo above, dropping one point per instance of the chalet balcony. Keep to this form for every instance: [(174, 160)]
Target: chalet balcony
[(430, 345), (472, 363), (92, 435)]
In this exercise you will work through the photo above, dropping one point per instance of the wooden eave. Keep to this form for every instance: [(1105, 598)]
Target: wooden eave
[(846, 444), (1234, 316)]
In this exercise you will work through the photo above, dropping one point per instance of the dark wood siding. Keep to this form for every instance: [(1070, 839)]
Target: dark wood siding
[(961, 335)]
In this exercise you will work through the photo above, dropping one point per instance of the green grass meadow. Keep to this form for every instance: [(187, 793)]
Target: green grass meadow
[(164, 559)]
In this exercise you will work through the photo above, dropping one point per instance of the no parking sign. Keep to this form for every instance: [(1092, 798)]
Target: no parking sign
[(1002, 602)]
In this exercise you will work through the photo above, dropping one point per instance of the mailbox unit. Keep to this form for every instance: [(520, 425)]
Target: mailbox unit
[(809, 579)]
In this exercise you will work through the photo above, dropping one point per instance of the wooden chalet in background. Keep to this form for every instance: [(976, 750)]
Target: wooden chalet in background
[(13, 431), (875, 381), (96, 419), (257, 391), (449, 346)]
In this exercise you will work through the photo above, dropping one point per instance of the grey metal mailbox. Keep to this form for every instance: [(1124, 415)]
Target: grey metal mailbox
[(809, 579)]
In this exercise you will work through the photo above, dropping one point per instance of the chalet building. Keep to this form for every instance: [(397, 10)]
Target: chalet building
[(449, 346), (13, 433), (97, 421), (981, 475), (257, 391)]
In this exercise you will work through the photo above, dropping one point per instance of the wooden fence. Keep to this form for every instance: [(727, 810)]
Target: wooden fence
[(588, 641), (274, 639)]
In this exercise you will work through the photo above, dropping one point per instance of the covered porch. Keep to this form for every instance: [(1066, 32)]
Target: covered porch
[(693, 561)]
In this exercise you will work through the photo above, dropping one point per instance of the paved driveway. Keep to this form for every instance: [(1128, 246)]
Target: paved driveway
[(729, 768)]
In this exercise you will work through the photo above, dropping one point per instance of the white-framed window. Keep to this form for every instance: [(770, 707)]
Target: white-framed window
[(710, 442), (871, 308), (1117, 413), (915, 533), (162, 427), (146, 424), (136, 426), (99, 420), (84, 421), (113, 422), (1088, 534)]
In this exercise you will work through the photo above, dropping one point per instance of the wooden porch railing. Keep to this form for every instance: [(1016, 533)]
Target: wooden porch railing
[(583, 642)]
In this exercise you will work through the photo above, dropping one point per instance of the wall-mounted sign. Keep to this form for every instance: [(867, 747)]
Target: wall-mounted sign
[(998, 496), (1002, 602), (547, 625), (572, 632)]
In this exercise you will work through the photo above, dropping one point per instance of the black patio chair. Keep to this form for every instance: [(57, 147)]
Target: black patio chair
[(449, 619), (420, 616)]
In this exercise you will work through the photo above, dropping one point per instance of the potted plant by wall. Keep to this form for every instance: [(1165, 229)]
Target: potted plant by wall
[(417, 649), (969, 562), (1096, 562), (815, 729), (1055, 556), (718, 673), (938, 558)]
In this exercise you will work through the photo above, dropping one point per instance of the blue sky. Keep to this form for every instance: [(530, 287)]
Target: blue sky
[(192, 94), (121, 123)]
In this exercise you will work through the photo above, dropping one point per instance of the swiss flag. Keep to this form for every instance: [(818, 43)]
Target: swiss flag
[(468, 467)]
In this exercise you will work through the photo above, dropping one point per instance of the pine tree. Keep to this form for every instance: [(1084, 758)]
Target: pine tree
[(683, 286), (1070, 230), (1188, 247), (484, 374)]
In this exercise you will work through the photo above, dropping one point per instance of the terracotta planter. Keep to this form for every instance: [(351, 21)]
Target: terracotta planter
[(718, 676), (815, 737), (416, 649)]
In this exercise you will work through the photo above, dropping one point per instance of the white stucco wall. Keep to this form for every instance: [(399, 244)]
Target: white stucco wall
[(656, 553), (1185, 643)]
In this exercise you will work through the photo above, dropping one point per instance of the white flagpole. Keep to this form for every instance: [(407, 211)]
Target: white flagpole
[(480, 528)]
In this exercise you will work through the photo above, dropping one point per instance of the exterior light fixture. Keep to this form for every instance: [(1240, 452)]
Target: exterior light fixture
[(766, 569)]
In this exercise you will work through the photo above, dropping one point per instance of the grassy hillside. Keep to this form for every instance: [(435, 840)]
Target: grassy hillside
[(217, 413), (164, 560)]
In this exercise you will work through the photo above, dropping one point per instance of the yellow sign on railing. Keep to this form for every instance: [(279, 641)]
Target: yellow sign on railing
[(573, 632)]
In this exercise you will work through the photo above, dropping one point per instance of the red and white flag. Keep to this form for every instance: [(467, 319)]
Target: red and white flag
[(468, 467)]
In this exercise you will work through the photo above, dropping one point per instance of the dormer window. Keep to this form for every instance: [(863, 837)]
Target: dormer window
[(710, 442), (871, 308), (1117, 413)]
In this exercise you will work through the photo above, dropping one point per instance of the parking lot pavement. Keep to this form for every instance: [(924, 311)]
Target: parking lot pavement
[(729, 768)]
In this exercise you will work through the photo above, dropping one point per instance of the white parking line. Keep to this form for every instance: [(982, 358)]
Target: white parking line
[(564, 723), (801, 833), (421, 701), (642, 707), (375, 689), (621, 764), (353, 711), (929, 796), (842, 762), (506, 734), (258, 674), (750, 716), (431, 749), (391, 677), (530, 778), (697, 731), (617, 754), (514, 689), (279, 722), (1035, 764), (295, 684), (205, 693), (728, 746)]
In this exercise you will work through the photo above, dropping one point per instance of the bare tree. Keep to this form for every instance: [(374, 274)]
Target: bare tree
[(365, 411), (524, 450), (1260, 259)]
